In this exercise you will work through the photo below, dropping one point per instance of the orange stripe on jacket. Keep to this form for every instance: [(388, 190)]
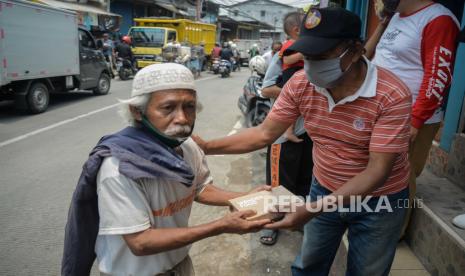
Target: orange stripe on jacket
[(174, 207)]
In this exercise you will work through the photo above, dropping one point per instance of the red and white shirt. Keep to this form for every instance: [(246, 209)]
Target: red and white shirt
[(420, 48), (375, 119)]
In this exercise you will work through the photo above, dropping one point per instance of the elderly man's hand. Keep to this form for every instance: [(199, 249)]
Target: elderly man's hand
[(260, 188), (200, 142), (236, 223), (255, 190)]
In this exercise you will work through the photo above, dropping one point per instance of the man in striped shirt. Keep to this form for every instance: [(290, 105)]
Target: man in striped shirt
[(358, 117)]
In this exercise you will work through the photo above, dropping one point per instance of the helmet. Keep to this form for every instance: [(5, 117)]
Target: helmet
[(258, 64), (234, 46), (126, 39)]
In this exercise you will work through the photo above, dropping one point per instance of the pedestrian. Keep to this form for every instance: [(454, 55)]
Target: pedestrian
[(109, 51), (418, 44), (291, 61), (197, 56), (358, 117), (275, 47), (108, 48), (289, 159), (132, 203)]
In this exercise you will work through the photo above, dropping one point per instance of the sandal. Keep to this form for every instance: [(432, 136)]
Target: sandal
[(269, 237)]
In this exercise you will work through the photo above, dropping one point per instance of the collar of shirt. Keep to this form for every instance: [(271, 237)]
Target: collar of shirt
[(366, 90)]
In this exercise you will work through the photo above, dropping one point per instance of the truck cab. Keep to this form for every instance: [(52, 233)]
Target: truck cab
[(150, 35), (148, 43)]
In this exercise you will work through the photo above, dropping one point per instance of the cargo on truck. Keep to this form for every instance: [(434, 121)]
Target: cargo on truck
[(151, 35), (44, 51)]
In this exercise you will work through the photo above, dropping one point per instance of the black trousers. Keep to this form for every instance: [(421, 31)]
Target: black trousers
[(290, 164)]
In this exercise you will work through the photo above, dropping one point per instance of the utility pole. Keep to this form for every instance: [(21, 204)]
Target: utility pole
[(198, 9)]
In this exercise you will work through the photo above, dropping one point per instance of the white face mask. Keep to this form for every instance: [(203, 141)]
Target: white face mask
[(325, 73)]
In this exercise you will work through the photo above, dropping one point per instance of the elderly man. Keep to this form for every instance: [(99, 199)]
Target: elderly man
[(134, 197), (358, 117)]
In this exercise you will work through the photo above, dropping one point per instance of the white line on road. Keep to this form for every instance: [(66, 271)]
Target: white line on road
[(207, 78), (236, 127), (234, 130), (40, 130)]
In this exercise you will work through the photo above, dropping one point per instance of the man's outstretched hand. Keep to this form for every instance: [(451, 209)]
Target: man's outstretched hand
[(200, 142), (292, 221)]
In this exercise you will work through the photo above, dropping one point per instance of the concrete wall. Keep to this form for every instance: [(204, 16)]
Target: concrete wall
[(272, 15)]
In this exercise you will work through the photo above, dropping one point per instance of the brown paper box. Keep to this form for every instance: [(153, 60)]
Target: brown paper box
[(260, 200)]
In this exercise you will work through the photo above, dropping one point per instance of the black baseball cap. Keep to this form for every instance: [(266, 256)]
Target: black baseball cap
[(323, 29)]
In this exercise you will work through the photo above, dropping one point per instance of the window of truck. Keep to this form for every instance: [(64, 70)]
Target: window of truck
[(147, 37), (171, 36)]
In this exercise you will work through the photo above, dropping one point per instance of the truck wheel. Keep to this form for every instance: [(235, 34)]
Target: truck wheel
[(103, 85), (37, 98)]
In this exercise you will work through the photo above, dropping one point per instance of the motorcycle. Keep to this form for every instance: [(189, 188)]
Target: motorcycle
[(235, 65), (225, 68), (124, 68), (215, 67), (252, 104)]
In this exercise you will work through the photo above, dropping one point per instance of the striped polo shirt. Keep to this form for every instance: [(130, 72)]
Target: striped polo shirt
[(374, 119)]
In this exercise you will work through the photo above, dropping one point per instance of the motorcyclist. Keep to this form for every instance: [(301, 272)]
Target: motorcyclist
[(236, 56), (124, 51), (227, 53), (254, 51)]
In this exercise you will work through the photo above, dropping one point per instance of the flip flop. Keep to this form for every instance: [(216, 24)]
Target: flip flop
[(268, 237)]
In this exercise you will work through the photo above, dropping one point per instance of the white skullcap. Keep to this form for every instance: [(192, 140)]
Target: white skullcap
[(162, 76)]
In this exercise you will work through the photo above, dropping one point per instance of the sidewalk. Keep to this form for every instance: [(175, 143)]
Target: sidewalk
[(405, 262)]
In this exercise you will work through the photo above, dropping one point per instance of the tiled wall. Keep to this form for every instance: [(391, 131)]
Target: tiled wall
[(450, 165)]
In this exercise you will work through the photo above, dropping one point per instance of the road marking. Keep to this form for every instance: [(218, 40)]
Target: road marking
[(40, 130), (235, 128), (207, 78)]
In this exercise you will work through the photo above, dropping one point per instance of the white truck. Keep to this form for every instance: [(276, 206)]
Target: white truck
[(43, 51), (244, 46)]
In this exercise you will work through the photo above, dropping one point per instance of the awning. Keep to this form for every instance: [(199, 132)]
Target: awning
[(171, 8), (76, 7)]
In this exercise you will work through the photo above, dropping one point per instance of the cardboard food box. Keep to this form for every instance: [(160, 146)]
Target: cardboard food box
[(261, 202)]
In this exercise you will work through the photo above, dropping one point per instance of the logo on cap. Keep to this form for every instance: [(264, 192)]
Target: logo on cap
[(313, 19)]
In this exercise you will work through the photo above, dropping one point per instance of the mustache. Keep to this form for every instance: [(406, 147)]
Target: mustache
[(178, 131)]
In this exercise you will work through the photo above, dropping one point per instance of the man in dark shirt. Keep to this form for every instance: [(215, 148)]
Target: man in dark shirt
[(226, 53), (123, 50)]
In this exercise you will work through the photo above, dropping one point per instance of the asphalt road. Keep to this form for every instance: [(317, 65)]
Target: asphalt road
[(41, 158)]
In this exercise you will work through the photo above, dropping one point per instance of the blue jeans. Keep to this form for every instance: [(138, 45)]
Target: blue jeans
[(373, 237)]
